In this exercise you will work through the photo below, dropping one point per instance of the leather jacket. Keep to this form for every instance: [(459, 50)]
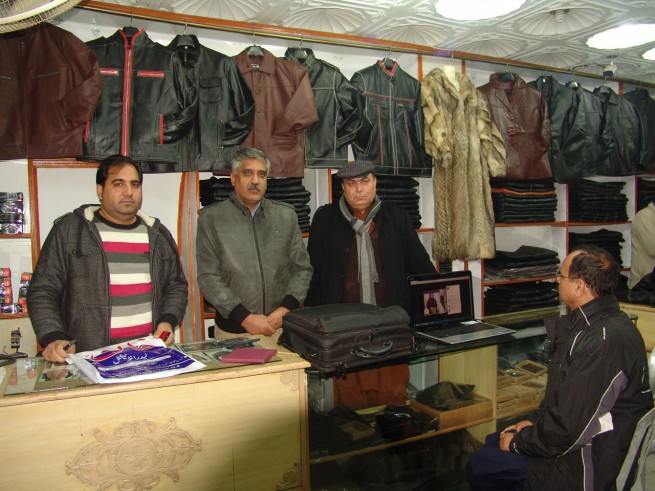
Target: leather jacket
[(339, 117), (284, 108), (560, 101), (226, 108), (646, 110), (50, 85), (582, 149), (392, 108), (250, 264), (146, 106), (621, 129), (521, 115), (69, 295)]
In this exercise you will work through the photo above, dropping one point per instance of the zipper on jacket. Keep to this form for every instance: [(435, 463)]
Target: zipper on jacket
[(392, 115), (127, 95)]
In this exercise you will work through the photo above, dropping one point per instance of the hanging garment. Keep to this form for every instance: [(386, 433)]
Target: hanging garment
[(467, 148), (646, 109), (560, 101), (393, 137), (621, 128), (339, 116), (50, 85), (521, 115), (226, 108), (147, 106), (284, 108)]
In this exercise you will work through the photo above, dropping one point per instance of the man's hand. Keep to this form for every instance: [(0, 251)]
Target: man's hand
[(275, 317), (506, 439), (55, 351), (257, 324), (517, 427), (165, 327)]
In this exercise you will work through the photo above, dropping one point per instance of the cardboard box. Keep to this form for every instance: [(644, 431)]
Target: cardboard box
[(480, 410)]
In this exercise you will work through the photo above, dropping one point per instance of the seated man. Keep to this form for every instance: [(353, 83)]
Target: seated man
[(597, 391)]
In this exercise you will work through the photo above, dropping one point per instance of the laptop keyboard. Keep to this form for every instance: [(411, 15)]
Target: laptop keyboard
[(461, 329)]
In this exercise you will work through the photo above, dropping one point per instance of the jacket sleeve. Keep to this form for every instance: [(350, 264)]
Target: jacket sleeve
[(417, 260), (241, 110), (363, 136), (316, 244), (300, 111), (79, 104), (583, 401), (178, 124), (47, 289), (351, 120), (300, 270), (213, 283), (175, 285)]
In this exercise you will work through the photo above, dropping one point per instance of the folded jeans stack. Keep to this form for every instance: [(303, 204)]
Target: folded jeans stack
[(522, 201), (609, 240), (515, 297), (591, 201), (645, 192), (524, 262)]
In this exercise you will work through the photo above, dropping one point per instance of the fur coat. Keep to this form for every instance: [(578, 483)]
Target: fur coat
[(466, 148)]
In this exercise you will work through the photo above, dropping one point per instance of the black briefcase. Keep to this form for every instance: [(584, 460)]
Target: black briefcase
[(336, 337)]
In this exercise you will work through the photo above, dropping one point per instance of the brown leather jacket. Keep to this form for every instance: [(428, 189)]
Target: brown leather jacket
[(284, 107), (50, 85), (521, 115)]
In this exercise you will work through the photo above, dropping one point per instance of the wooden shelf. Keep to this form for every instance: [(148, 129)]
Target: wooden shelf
[(15, 236), (22, 315)]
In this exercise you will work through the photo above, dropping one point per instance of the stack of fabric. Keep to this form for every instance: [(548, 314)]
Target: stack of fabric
[(645, 192), (516, 297), (522, 201), (525, 262), (401, 190), (591, 201), (288, 190), (607, 239)]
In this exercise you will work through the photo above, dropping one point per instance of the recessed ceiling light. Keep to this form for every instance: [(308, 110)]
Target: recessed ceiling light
[(626, 36), (476, 9), (649, 55)]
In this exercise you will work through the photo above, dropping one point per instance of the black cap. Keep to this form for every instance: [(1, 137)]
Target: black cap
[(357, 168)]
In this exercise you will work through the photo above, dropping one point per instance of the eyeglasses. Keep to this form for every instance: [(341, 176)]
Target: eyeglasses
[(559, 275)]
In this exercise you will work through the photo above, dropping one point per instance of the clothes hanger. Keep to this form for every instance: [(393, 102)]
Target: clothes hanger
[(254, 49), (388, 62), (130, 31), (299, 53), (185, 40), (507, 76)]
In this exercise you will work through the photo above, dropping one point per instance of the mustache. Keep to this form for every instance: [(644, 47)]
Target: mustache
[(253, 186)]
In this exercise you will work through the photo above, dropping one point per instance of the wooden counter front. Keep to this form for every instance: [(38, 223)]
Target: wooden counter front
[(645, 321), (241, 429)]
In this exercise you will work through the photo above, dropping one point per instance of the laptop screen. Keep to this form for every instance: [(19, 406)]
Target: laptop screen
[(441, 298)]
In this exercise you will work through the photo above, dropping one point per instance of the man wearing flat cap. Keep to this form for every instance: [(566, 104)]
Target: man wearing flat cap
[(362, 250)]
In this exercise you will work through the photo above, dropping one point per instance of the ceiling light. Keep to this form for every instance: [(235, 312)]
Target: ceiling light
[(626, 36), (476, 9), (560, 15), (649, 55)]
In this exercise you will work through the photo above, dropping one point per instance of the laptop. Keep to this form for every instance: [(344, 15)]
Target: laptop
[(442, 309)]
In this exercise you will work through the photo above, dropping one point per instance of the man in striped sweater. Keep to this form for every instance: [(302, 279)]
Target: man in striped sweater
[(108, 273)]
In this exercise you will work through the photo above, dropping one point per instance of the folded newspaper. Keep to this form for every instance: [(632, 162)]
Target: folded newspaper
[(139, 359)]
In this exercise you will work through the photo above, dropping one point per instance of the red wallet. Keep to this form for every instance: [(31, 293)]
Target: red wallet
[(249, 355)]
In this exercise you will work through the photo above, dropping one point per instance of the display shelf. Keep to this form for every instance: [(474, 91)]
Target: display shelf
[(15, 236), (532, 224), (22, 315)]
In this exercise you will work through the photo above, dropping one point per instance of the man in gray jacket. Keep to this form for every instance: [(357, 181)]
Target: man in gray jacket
[(252, 262), (108, 273)]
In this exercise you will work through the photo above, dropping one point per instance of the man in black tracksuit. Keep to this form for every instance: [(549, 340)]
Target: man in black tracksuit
[(598, 389)]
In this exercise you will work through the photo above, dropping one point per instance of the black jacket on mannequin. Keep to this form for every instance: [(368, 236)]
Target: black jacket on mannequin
[(146, 106), (646, 110)]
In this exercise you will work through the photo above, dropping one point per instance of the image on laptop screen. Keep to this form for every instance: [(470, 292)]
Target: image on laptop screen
[(441, 299)]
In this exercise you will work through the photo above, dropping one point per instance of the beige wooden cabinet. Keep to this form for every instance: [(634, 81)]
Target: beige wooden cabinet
[(241, 429), (645, 321)]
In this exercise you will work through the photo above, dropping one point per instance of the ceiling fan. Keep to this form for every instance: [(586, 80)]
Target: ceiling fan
[(21, 14)]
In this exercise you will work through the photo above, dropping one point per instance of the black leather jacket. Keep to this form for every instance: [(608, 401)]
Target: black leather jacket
[(583, 148), (146, 105), (226, 108), (646, 110), (339, 117), (560, 101), (622, 129), (392, 108)]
